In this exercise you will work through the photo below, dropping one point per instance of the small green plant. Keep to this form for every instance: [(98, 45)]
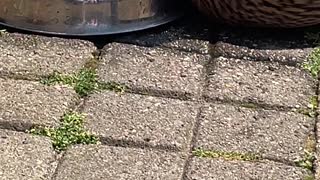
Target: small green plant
[(71, 131), (313, 105), (84, 82), (113, 86), (308, 157), (309, 177), (306, 161), (313, 63), (226, 155), (57, 78), (249, 105), (312, 109)]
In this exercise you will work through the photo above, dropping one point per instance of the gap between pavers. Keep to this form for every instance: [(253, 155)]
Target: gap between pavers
[(26, 103), (96, 162), (25, 157)]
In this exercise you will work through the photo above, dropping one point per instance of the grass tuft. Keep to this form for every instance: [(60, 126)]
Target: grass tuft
[(226, 155), (309, 151), (307, 160), (71, 131), (313, 63), (310, 177), (84, 83)]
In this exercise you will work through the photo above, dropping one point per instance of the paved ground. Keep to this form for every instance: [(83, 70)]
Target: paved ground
[(198, 103)]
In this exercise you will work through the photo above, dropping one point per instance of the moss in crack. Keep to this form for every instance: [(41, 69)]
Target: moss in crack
[(311, 111), (226, 155), (71, 131), (113, 86), (304, 111), (309, 177), (309, 151), (307, 160), (249, 105), (313, 62), (84, 82), (313, 105), (314, 102)]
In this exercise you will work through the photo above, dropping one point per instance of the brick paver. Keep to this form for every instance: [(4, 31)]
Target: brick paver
[(317, 153), (272, 134), (117, 163), (25, 157), (31, 55), (288, 56), (218, 169), (287, 46), (222, 89), (141, 119), (259, 82), (26, 103), (153, 68)]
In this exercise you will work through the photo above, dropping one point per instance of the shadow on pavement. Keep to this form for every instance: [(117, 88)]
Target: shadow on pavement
[(194, 26)]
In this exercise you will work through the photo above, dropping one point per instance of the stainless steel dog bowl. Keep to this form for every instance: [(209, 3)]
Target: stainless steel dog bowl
[(87, 17)]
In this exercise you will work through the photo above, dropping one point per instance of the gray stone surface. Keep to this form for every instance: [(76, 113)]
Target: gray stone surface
[(317, 161), (218, 169), (25, 157), (317, 153), (117, 163), (259, 82), (153, 68), (141, 119), (186, 35), (38, 55), (262, 38), (271, 134), (26, 103), (290, 56)]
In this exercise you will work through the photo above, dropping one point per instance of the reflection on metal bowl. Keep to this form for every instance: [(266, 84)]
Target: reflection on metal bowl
[(87, 17)]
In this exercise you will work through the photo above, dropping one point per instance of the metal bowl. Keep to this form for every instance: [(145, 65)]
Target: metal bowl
[(87, 17)]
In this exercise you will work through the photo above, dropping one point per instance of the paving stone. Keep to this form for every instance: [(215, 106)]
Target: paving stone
[(153, 68), (142, 119), (26, 103), (187, 34), (118, 163), (218, 169), (289, 56), (317, 161), (271, 134), (26, 157), (34, 55), (259, 82), (317, 153), (285, 45), (262, 38)]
